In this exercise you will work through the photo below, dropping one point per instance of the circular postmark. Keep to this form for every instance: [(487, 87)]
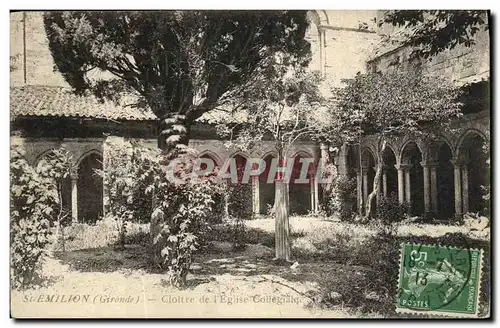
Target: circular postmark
[(437, 278)]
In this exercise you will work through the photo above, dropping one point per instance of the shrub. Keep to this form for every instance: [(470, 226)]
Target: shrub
[(56, 166), (239, 209), (34, 199), (390, 212), (181, 210), (126, 200), (140, 186), (340, 198)]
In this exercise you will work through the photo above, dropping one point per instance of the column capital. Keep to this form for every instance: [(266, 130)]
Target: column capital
[(429, 164), (73, 174), (403, 166), (458, 164)]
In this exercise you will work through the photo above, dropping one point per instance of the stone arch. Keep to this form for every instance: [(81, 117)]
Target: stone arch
[(472, 160), (405, 145), (318, 17), (266, 190), (317, 35), (411, 159), (241, 196), (88, 153), (300, 193), (352, 160), (368, 158), (463, 137), (368, 168), (41, 155), (216, 158), (389, 172), (240, 153), (444, 181), (90, 187)]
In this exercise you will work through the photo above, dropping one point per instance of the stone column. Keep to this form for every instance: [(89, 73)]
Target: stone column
[(457, 168), (427, 188), (324, 156), (465, 189), (401, 195), (384, 182), (379, 191), (322, 51), (316, 195), (359, 191), (407, 185), (105, 191), (365, 185), (321, 159), (255, 195), (433, 181), (74, 196)]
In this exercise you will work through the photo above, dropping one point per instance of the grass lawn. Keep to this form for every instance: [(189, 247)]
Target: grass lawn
[(336, 277)]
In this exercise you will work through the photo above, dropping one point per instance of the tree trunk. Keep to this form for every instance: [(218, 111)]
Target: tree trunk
[(282, 224), (173, 129), (376, 181)]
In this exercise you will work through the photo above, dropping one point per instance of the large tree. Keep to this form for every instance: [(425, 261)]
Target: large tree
[(430, 32), (281, 106), (393, 104), (180, 64)]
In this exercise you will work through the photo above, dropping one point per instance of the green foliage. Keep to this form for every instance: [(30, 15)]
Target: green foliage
[(126, 200), (239, 209), (340, 198), (389, 209), (179, 63), (430, 32), (394, 103), (225, 233), (240, 201), (181, 210), (34, 204), (280, 103), (486, 190), (141, 187), (389, 213)]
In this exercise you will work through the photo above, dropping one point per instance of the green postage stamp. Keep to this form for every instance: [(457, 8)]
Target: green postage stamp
[(437, 280)]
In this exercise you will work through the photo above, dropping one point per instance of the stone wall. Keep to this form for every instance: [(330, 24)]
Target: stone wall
[(341, 43), (39, 63), (461, 64)]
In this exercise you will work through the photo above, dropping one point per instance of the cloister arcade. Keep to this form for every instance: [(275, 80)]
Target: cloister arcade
[(444, 178), (84, 195)]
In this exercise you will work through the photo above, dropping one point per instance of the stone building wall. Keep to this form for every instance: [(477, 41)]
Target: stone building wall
[(341, 43), (39, 63), (461, 64)]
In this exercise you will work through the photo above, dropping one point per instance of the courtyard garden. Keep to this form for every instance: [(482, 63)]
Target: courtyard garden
[(340, 269)]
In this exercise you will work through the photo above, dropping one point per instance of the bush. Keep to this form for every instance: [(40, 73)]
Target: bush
[(126, 200), (34, 201), (140, 186), (390, 210), (181, 210), (239, 209), (340, 198)]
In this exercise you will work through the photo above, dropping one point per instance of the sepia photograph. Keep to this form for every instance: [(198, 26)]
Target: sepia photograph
[(231, 164)]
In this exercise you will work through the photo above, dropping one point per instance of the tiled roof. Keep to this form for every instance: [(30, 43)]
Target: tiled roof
[(31, 100)]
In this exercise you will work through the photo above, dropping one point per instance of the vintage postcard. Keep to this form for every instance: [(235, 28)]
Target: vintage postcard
[(250, 164)]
